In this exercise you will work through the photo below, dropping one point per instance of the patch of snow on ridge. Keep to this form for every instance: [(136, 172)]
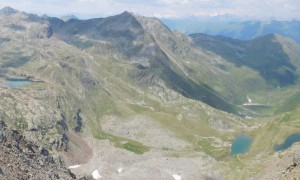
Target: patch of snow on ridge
[(120, 170), (96, 174), (176, 177), (74, 167)]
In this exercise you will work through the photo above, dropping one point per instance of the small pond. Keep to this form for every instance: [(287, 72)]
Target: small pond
[(289, 141), (16, 83), (241, 144)]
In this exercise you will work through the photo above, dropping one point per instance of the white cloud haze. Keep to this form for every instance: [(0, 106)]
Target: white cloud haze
[(256, 9)]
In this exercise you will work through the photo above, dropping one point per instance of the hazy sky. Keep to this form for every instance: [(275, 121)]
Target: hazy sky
[(259, 9)]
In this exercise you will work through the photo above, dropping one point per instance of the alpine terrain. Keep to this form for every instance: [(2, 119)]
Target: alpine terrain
[(124, 97)]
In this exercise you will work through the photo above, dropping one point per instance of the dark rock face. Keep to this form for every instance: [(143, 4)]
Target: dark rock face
[(22, 159), (49, 32), (64, 143), (63, 123), (2, 129), (1, 173), (61, 143), (78, 121)]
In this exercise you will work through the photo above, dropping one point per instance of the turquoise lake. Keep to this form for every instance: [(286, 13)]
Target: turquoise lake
[(241, 144), (289, 141), (16, 83)]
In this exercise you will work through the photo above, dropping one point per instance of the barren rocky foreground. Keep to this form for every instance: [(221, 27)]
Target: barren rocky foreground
[(23, 159), (284, 165), (115, 163)]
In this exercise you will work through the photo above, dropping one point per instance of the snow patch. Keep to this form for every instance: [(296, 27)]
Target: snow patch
[(176, 177), (249, 100), (74, 167), (120, 170), (96, 174)]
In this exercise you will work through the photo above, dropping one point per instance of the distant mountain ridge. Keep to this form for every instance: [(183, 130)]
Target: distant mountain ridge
[(263, 54), (243, 30), (8, 10), (68, 17)]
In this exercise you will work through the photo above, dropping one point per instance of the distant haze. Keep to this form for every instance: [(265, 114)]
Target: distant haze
[(245, 9)]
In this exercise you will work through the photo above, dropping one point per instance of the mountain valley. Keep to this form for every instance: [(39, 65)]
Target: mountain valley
[(125, 97)]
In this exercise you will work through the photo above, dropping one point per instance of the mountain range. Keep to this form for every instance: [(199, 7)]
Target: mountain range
[(234, 28), (125, 97)]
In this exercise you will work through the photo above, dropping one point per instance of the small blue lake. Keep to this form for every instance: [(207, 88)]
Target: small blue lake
[(16, 83), (289, 141), (241, 144)]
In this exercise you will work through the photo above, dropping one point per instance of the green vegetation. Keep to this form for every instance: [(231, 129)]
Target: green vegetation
[(135, 147), (290, 104), (120, 142), (138, 108), (217, 153)]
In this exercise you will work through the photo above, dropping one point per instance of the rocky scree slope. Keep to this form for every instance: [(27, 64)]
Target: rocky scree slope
[(23, 159)]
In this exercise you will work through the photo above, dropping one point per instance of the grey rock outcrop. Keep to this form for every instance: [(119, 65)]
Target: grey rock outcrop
[(296, 159), (22, 159)]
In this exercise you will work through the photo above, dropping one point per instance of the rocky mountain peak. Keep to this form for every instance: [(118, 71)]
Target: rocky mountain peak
[(8, 10), (124, 20), (153, 24), (271, 37), (68, 17), (126, 13), (114, 28)]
